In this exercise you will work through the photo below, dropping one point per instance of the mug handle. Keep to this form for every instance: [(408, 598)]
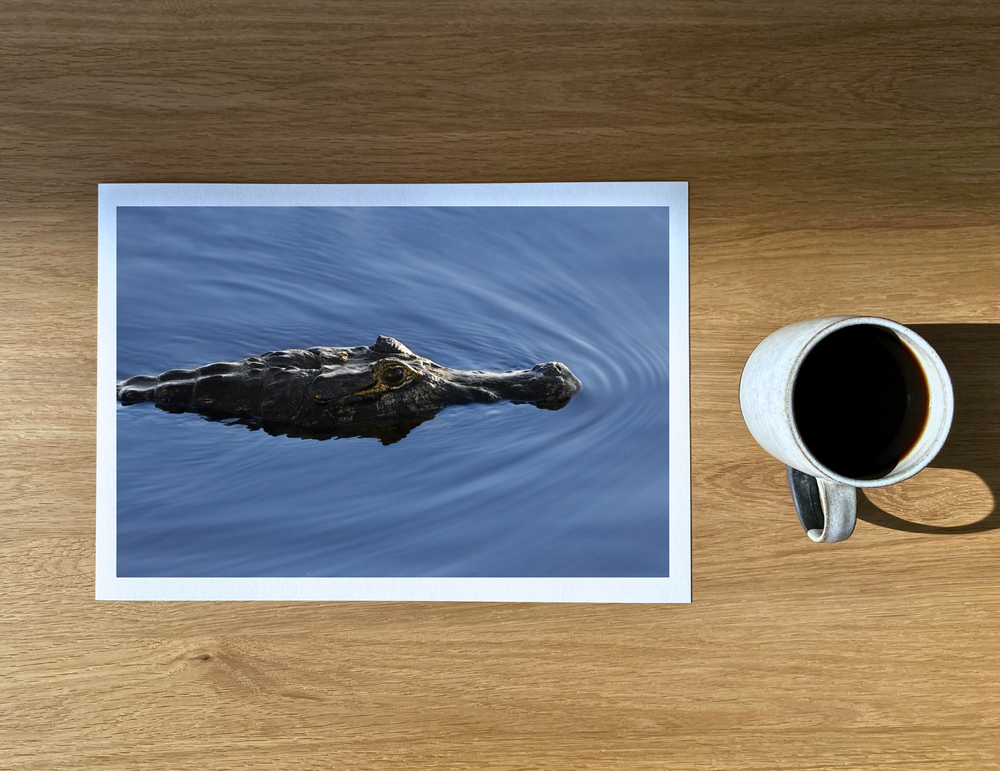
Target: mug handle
[(827, 510)]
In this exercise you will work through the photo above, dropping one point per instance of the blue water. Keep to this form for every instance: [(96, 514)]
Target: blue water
[(480, 490)]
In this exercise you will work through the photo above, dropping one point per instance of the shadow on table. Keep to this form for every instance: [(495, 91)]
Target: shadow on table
[(971, 352)]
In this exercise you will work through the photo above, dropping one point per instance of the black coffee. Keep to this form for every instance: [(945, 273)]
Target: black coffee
[(860, 401)]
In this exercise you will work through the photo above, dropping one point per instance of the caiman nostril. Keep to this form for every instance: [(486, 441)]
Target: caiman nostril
[(550, 368)]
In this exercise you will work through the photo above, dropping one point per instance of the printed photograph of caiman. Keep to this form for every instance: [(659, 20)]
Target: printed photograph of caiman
[(522, 351)]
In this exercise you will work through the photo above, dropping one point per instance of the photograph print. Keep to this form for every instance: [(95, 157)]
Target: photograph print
[(469, 392)]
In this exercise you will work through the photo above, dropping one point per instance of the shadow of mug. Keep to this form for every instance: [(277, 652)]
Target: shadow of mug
[(971, 353)]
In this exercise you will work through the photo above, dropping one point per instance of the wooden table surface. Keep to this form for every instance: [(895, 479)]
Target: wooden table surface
[(842, 158)]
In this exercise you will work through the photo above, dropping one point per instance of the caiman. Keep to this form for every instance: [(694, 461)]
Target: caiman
[(381, 390)]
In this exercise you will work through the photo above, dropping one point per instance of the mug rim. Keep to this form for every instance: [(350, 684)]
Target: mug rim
[(907, 336)]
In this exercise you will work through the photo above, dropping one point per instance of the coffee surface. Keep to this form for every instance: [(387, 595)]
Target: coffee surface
[(860, 401)]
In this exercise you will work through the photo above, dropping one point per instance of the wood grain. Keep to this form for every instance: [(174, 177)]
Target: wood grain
[(842, 157)]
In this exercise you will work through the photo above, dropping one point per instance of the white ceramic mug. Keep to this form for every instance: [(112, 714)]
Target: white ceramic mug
[(778, 415)]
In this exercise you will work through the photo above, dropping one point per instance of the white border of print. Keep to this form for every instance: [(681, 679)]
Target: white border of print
[(675, 588)]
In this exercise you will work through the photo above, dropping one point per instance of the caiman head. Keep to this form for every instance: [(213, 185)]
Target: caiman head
[(388, 378)]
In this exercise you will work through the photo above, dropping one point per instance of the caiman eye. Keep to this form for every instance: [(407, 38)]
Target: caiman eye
[(394, 376)]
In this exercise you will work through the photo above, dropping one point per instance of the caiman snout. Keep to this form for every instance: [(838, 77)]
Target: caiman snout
[(557, 383)]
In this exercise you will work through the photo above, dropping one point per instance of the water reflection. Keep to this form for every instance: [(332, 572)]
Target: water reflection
[(386, 430)]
